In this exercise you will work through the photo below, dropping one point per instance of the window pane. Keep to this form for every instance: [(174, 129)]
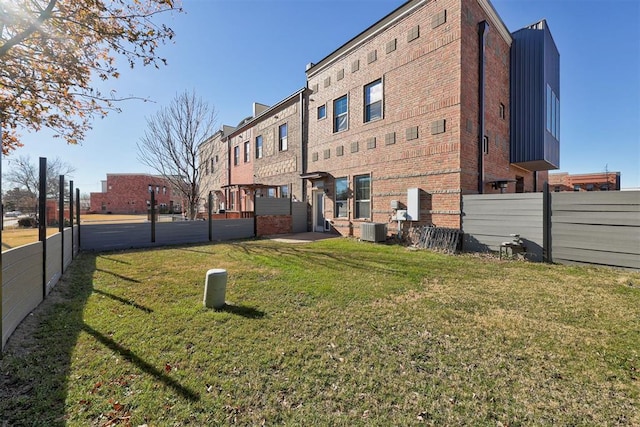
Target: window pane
[(373, 111), (373, 92), (362, 210), (340, 106), (342, 189), (373, 101), (340, 114), (342, 195), (362, 195), (322, 111), (282, 131), (557, 119), (259, 147), (549, 108)]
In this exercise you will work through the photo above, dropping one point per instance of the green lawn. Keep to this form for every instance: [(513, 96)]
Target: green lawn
[(335, 332)]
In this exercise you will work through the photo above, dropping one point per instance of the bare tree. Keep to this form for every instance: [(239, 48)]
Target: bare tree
[(171, 143), (24, 174)]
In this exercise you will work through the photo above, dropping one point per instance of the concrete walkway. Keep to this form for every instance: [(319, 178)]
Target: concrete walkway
[(301, 237)]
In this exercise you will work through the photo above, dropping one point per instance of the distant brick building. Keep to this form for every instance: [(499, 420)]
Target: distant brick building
[(601, 181), (130, 194)]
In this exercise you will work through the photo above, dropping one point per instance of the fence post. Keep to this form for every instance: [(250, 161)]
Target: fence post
[(210, 212), (546, 224), (78, 215), (61, 220), (42, 221), (71, 213), (1, 228), (153, 216)]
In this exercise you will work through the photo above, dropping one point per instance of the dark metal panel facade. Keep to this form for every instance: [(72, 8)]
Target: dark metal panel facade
[(535, 65)]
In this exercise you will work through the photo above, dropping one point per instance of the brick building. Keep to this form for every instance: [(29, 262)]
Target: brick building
[(433, 101), (264, 156), (214, 160), (124, 193), (602, 181)]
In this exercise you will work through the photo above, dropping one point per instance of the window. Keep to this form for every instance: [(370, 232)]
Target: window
[(284, 191), (247, 151), (236, 155), (322, 112), (373, 101), (342, 194), (363, 196), (590, 187), (164, 190), (282, 132), (340, 114), (577, 187), (213, 162), (553, 113), (259, 147), (150, 188)]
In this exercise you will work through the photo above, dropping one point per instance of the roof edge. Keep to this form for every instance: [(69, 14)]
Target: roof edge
[(264, 113)]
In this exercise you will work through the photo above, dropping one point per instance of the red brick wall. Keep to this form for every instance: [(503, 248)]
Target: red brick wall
[(267, 225), (421, 85), (129, 193)]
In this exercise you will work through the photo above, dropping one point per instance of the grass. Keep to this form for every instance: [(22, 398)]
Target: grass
[(14, 237), (334, 332)]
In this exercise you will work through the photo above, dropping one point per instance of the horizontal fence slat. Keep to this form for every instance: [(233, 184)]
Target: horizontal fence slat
[(614, 259)]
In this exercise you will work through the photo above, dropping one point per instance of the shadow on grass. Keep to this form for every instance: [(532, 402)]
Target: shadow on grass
[(244, 311), (119, 276), (36, 364), (114, 260), (123, 300), (143, 365)]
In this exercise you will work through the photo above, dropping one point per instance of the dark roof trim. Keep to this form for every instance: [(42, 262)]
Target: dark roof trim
[(314, 175), (381, 25)]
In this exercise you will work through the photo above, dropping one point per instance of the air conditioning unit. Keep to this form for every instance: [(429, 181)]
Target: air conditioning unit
[(373, 232)]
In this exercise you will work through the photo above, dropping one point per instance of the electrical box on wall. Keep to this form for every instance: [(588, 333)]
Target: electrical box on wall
[(401, 215), (395, 204), (413, 204)]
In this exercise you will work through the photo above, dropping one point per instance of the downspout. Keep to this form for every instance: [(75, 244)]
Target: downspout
[(227, 190), (303, 147), (483, 29)]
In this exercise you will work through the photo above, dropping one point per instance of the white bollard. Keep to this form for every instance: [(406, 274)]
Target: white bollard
[(215, 286)]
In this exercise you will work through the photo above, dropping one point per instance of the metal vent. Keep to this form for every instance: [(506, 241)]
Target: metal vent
[(373, 231)]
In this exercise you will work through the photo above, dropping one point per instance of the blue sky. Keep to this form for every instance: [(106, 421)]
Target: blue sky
[(235, 52)]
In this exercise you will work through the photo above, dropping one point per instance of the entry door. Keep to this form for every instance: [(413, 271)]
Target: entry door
[(318, 211)]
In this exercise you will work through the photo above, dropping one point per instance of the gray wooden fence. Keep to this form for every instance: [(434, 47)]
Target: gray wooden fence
[(299, 211), (601, 228), (490, 219), (26, 281), (596, 228), (104, 237)]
